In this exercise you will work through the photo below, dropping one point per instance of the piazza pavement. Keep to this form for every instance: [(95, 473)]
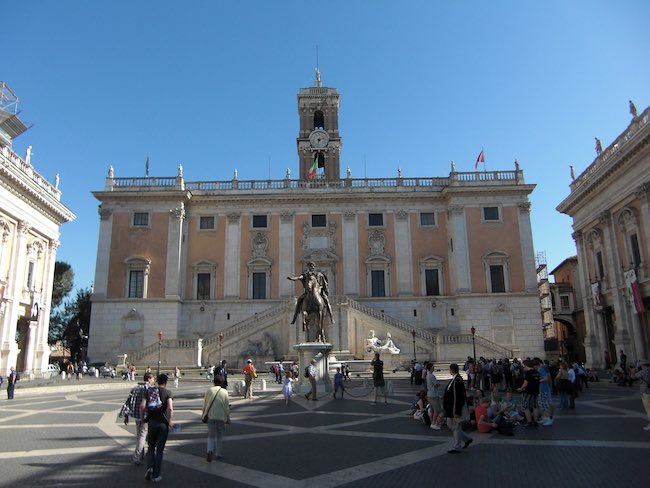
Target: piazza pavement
[(68, 434)]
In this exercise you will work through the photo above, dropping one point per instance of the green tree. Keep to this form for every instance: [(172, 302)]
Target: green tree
[(73, 321), (63, 283)]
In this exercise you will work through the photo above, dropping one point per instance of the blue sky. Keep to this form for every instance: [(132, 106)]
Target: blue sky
[(213, 84)]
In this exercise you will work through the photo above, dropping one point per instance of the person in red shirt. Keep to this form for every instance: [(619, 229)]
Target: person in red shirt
[(483, 422)]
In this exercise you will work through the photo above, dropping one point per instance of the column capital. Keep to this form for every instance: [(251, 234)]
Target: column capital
[(524, 207), (233, 217), (401, 215), (178, 212), (286, 216), (349, 215), (455, 209), (104, 213)]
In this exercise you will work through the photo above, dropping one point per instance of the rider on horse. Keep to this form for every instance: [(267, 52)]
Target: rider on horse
[(304, 279)]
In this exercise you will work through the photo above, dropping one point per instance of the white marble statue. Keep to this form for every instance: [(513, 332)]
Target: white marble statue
[(375, 344)]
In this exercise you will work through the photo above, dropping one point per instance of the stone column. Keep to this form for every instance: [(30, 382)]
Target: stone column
[(593, 322), (15, 286), (403, 255), (643, 194), (287, 254), (527, 249), (350, 236), (231, 259), (616, 290), (103, 252), (174, 250), (31, 346), (460, 269), (42, 347)]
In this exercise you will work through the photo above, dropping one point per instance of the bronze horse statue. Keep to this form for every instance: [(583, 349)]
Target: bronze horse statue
[(312, 311)]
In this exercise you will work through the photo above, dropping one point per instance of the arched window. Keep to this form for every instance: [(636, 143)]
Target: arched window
[(319, 120)]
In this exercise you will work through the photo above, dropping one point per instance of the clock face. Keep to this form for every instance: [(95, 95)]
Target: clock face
[(318, 139)]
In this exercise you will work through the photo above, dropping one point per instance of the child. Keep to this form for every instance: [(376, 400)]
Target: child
[(287, 387), (338, 382)]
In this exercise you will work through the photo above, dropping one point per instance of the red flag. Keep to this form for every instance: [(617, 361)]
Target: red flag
[(480, 159)]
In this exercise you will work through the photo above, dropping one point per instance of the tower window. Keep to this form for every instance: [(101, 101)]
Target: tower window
[(140, 219), (259, 222), (319, 120), (206, 223), (497, 279), (431, 281), (427, 219), (491, 214), (136, 284), (203, 286), (319, 220), (375, 220)]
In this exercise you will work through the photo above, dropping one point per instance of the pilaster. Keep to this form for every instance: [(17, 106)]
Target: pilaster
[(527, 248), (403, 247), (461, 277), (231, 259), (103, 252), (350, 254), (174, 250)]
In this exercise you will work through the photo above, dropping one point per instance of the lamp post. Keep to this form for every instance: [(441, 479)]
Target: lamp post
[(414, 356), (160, 336), (220, 349), (473, 331)]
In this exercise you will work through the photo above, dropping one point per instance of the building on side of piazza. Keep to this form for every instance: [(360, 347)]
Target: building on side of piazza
[(610, 208), (422, 259), (30, 216)]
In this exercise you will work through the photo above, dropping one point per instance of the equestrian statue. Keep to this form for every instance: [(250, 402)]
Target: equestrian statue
[(312, 303)]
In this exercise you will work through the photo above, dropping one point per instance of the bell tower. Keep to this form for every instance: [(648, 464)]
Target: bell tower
[(319, 143)]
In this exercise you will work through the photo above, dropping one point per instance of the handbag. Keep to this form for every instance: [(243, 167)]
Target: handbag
[(204, 418)]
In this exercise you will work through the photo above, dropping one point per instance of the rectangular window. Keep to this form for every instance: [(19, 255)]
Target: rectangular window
[(600, 269), (490, 213), (378, 283), (318, 220), (375, 220), (427, 219), (203, 286), (636, 253), (259, 286), (136, 284), (140, 219), (431, 282), (497, 279), (206, 223), (259, 222), (564, 302)]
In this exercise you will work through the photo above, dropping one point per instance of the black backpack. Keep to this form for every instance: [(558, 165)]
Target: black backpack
[(307, 372)]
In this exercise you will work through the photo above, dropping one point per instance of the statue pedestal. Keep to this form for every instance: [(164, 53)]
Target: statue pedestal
[(321, 353)]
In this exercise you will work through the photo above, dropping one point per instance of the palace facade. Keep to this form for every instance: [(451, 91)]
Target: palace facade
[(610, 206), (202, 266), (30, 216)]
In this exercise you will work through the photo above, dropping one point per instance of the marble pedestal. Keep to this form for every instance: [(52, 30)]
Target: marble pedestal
[(320, 351)]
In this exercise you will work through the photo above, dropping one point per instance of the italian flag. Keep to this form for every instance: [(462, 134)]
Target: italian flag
[(312, 171)]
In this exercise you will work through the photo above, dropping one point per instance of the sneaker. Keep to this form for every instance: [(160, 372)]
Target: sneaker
[(541, 420), (467, 443), (148, 474), (435, 426), (157, 479), (548, 422)]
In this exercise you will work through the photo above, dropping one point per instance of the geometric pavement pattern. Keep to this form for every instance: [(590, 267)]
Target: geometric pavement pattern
[(69, 435)]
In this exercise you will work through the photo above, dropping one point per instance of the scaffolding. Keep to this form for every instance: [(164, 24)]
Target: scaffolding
[(10, 124)]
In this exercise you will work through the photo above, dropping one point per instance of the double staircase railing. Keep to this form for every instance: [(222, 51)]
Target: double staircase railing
[(250, 323)]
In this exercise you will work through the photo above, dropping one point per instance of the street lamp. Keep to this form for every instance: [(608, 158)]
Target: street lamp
[(473, 331), (220, 349), (414, 356), (160, 336)]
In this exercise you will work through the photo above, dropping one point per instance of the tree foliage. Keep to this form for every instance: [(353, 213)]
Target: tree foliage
[(71, 323), (63, 283)]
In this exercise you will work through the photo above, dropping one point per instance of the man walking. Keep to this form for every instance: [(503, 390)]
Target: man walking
[(310, 373), (455, 405), (249, 375), (530, 390), (131, 408), (160, 409), (378, 377)]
